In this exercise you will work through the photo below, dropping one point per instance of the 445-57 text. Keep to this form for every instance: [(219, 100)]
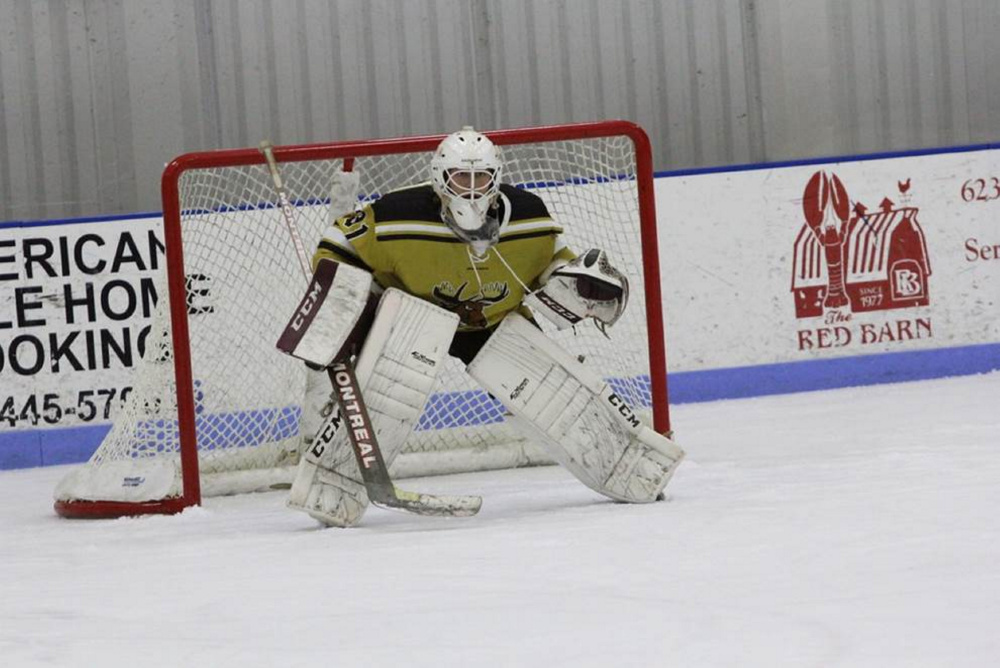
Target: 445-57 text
[(53, 408)]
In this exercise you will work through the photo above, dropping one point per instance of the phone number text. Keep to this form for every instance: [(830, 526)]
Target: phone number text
[(53, 408)]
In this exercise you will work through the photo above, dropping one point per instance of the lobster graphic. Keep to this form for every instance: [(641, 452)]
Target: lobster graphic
[(827, 211), (470, 311)]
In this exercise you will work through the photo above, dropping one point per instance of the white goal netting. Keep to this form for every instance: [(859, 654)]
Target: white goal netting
[(243, 282)]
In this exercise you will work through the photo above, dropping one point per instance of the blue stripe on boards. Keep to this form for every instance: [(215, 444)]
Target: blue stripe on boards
[(450, 410)]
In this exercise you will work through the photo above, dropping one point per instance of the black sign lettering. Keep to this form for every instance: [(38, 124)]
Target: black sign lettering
[(121, 287), (127, 252), (38, 252), (72, 302), (62, 348), (8, 259), (22, 306), (27, 355), (122, 351), (78, 254)]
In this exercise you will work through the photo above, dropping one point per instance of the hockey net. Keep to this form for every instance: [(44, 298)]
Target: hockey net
[(215, 408)]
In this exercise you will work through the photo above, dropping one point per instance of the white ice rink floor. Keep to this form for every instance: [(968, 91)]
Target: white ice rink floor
[(845, 528)]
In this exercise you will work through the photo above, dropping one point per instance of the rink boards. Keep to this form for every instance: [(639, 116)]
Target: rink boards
[(745, 263)]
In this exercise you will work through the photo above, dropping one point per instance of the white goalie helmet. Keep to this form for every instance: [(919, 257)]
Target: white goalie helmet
[(465, 174)]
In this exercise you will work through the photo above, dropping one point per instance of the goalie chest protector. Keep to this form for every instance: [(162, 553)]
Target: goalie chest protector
[(403, 241)]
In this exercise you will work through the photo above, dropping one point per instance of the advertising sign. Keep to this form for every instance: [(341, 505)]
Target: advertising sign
[(76, 304), (813, 262)]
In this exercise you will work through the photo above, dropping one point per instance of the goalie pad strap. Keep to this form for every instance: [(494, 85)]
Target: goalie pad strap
[(396, 369), (328, 313), (574, 414)]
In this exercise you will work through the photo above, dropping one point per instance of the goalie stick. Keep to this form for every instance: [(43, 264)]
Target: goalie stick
[(374, 472)]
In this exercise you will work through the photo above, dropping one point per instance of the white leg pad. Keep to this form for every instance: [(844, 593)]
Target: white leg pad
[(396, 370), (574, 414), (317, 405)]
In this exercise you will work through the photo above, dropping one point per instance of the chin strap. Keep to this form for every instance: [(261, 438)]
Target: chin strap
[(484, 237)]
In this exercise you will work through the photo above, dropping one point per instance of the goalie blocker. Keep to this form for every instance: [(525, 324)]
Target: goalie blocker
[(332, 315), (574, 414)]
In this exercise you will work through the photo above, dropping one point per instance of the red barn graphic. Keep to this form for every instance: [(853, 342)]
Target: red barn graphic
[(880, 258)]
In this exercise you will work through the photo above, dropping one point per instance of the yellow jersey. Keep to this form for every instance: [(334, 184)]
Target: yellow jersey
[(403, 241)]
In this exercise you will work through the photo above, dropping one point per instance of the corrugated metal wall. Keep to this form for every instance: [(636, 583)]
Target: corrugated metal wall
[(98, 94)]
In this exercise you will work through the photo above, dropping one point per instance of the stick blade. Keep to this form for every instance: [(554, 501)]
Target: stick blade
[(429, 504)]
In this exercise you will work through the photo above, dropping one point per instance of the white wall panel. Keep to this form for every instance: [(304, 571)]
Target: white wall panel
[(97, 95)]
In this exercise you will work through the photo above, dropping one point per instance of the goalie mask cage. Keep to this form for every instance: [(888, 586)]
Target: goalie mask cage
[(215, 407)]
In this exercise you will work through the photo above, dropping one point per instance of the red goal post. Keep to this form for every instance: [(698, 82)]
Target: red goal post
[(208, 195)]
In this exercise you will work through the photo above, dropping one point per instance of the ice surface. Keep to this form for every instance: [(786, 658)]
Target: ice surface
[(845, 528)]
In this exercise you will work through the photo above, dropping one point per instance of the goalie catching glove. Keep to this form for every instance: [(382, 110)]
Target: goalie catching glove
[(587, 287)]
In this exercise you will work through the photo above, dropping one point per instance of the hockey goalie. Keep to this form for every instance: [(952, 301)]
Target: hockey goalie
[(460, 266)]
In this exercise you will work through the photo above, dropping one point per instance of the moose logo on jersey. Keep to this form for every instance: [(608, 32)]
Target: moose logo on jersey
[(470, 309), (849, 259)]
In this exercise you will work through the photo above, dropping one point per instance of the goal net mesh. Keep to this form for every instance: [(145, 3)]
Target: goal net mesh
[(244, 281)]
